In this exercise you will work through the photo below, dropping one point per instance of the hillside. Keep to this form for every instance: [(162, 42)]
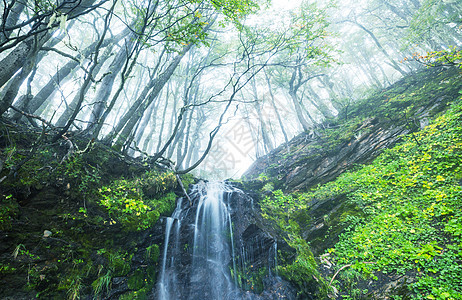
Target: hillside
[(372, 202), (360, 132), (78, 220), (349, 218)]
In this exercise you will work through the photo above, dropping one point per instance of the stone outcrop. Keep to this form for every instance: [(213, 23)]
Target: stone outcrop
[(254, 253), (358, 137)]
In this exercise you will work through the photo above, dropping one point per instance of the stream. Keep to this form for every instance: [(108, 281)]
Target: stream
[(202, 257)]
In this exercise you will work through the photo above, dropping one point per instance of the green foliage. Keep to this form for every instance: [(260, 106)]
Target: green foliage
[(102, 284), (20, 252), (340, 134), (137, 280), (447, 57), (128, 202), (118, 263), (73, 292), (269, 187), (153, 253), (26, 167), (8, 211), (155, 184), (288, 212), (83, 178), (433, 18), (250, 278), (236, 10), (65, 265), (303, 271), (401, 102), (187, 180), (263, 177), (309, 27), (412, 199)]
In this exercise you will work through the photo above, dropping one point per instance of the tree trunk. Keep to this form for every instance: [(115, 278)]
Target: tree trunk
[(157, 86), (149, 137), (161, 130), (61, 75), (14, 61), (181, 154), (317, 102), (89, 75), (152, 84), (193, 152), (299, 111), (107, 84), (74, 105), (142, 125), (12, 88), (267, 143), (12, 19), (379, 45), (276, 110)]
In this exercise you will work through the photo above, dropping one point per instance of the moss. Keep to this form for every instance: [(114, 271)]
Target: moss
[(188, 180), (137, 280), (303, 272), (153, 253), (135, 295), (63, 196), (127, 203), (252, 279), (8, 210), (119, 264), (102, 284), (335, 223)]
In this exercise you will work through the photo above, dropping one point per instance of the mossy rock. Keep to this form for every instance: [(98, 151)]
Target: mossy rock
[(153, 253), (135, 295), (120, 266), (137, 280)]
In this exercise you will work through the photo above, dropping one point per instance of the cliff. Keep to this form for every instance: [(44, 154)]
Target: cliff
[(371, 200)]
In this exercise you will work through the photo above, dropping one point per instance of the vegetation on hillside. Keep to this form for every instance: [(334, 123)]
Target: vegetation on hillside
[(404, 106), (74, 222), (105, 105), (407, 222)]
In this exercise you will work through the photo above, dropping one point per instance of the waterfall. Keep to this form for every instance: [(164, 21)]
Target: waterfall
[(213, 250), (210, 274), (167, 280)]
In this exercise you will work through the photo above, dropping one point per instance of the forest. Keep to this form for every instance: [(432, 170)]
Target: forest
[(335, 125)]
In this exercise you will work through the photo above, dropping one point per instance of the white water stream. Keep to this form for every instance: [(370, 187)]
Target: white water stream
[(212, 249)]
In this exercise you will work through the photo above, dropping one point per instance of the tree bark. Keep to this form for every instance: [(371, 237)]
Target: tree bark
[(11, 19), (61, 75), (89, 75), (14, 61), (379, 45), (107, 84), (293, 87), (276, 110), (75, 103), (157, 85), (267, 143)]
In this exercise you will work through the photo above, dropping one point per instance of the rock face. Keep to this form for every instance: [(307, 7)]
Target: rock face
[(356, 137), (309, 166), (360, 135), (216, 250)]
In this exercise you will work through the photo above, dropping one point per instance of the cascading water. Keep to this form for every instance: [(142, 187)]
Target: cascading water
[(212, 247), (199, 259), (167, 280)]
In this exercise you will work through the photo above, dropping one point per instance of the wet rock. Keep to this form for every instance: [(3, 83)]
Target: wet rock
[(193, 277)]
